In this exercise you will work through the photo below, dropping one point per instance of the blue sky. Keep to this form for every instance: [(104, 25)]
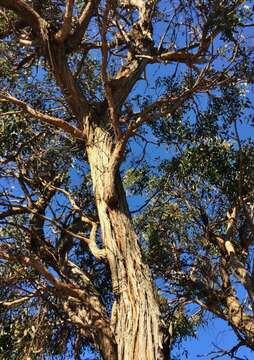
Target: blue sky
[(217, 335)]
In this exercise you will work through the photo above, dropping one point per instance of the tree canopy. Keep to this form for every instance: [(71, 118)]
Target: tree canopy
[(106, 105)]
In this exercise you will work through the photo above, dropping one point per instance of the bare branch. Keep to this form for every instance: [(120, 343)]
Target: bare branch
[(13, 211), (67, 82), (12, 303), (93, 319), (7, 113), (75, 207), (38, 266), (126, 78), (141, 33), (174, 56), (91, 241)]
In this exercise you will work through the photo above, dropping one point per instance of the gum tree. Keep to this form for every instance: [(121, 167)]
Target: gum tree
[(198, 222), (78, 66)]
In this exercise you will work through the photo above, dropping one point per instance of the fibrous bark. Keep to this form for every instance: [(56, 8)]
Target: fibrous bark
[(135, 315)]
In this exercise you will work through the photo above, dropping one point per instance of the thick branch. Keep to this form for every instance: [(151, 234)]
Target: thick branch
[(66, 27), (86, 311), (83, 22), (58, 61), (37, 265), (104, 75), (27, 14), (141, 33), (126, 79)]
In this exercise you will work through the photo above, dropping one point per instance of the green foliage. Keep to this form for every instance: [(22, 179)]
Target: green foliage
[(205, 169)]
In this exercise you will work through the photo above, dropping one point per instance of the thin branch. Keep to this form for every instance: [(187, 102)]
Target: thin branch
[(148, 114), (56, 122), (223, 352), (13, 211), (75, 207), (91, 241), (145, 203), (13, 303), (7, 113), (37, 265), (174, 56), (94, 319)]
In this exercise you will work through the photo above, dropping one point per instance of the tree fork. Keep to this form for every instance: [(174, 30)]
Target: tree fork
[(136, 320)]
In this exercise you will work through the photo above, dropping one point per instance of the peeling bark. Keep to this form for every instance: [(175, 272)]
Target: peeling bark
[(135, 319)]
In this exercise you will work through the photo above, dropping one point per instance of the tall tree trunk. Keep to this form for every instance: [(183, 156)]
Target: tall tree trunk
[(136, 320)]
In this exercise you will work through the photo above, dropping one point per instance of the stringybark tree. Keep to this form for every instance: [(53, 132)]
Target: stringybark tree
[(199, 224), (50, 47)]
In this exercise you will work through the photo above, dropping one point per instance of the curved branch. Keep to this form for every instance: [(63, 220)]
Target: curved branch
[(27, 14), (52, 120)]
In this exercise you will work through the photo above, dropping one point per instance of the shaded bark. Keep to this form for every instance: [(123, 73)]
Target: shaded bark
[(95, 332), (240, 321), (90, 316)]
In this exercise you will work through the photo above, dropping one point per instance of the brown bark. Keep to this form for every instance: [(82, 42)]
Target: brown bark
[(82, 305), (90, 316), (135, 316), (99, 335)]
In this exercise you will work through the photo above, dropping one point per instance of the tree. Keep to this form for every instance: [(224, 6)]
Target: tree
[(199, 224), (75, 68)]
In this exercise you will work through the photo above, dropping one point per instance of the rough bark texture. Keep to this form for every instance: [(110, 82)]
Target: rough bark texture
[(240, 320), (135, 316), (91, 326), (90, 315), (135, 321), (135, 330)]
